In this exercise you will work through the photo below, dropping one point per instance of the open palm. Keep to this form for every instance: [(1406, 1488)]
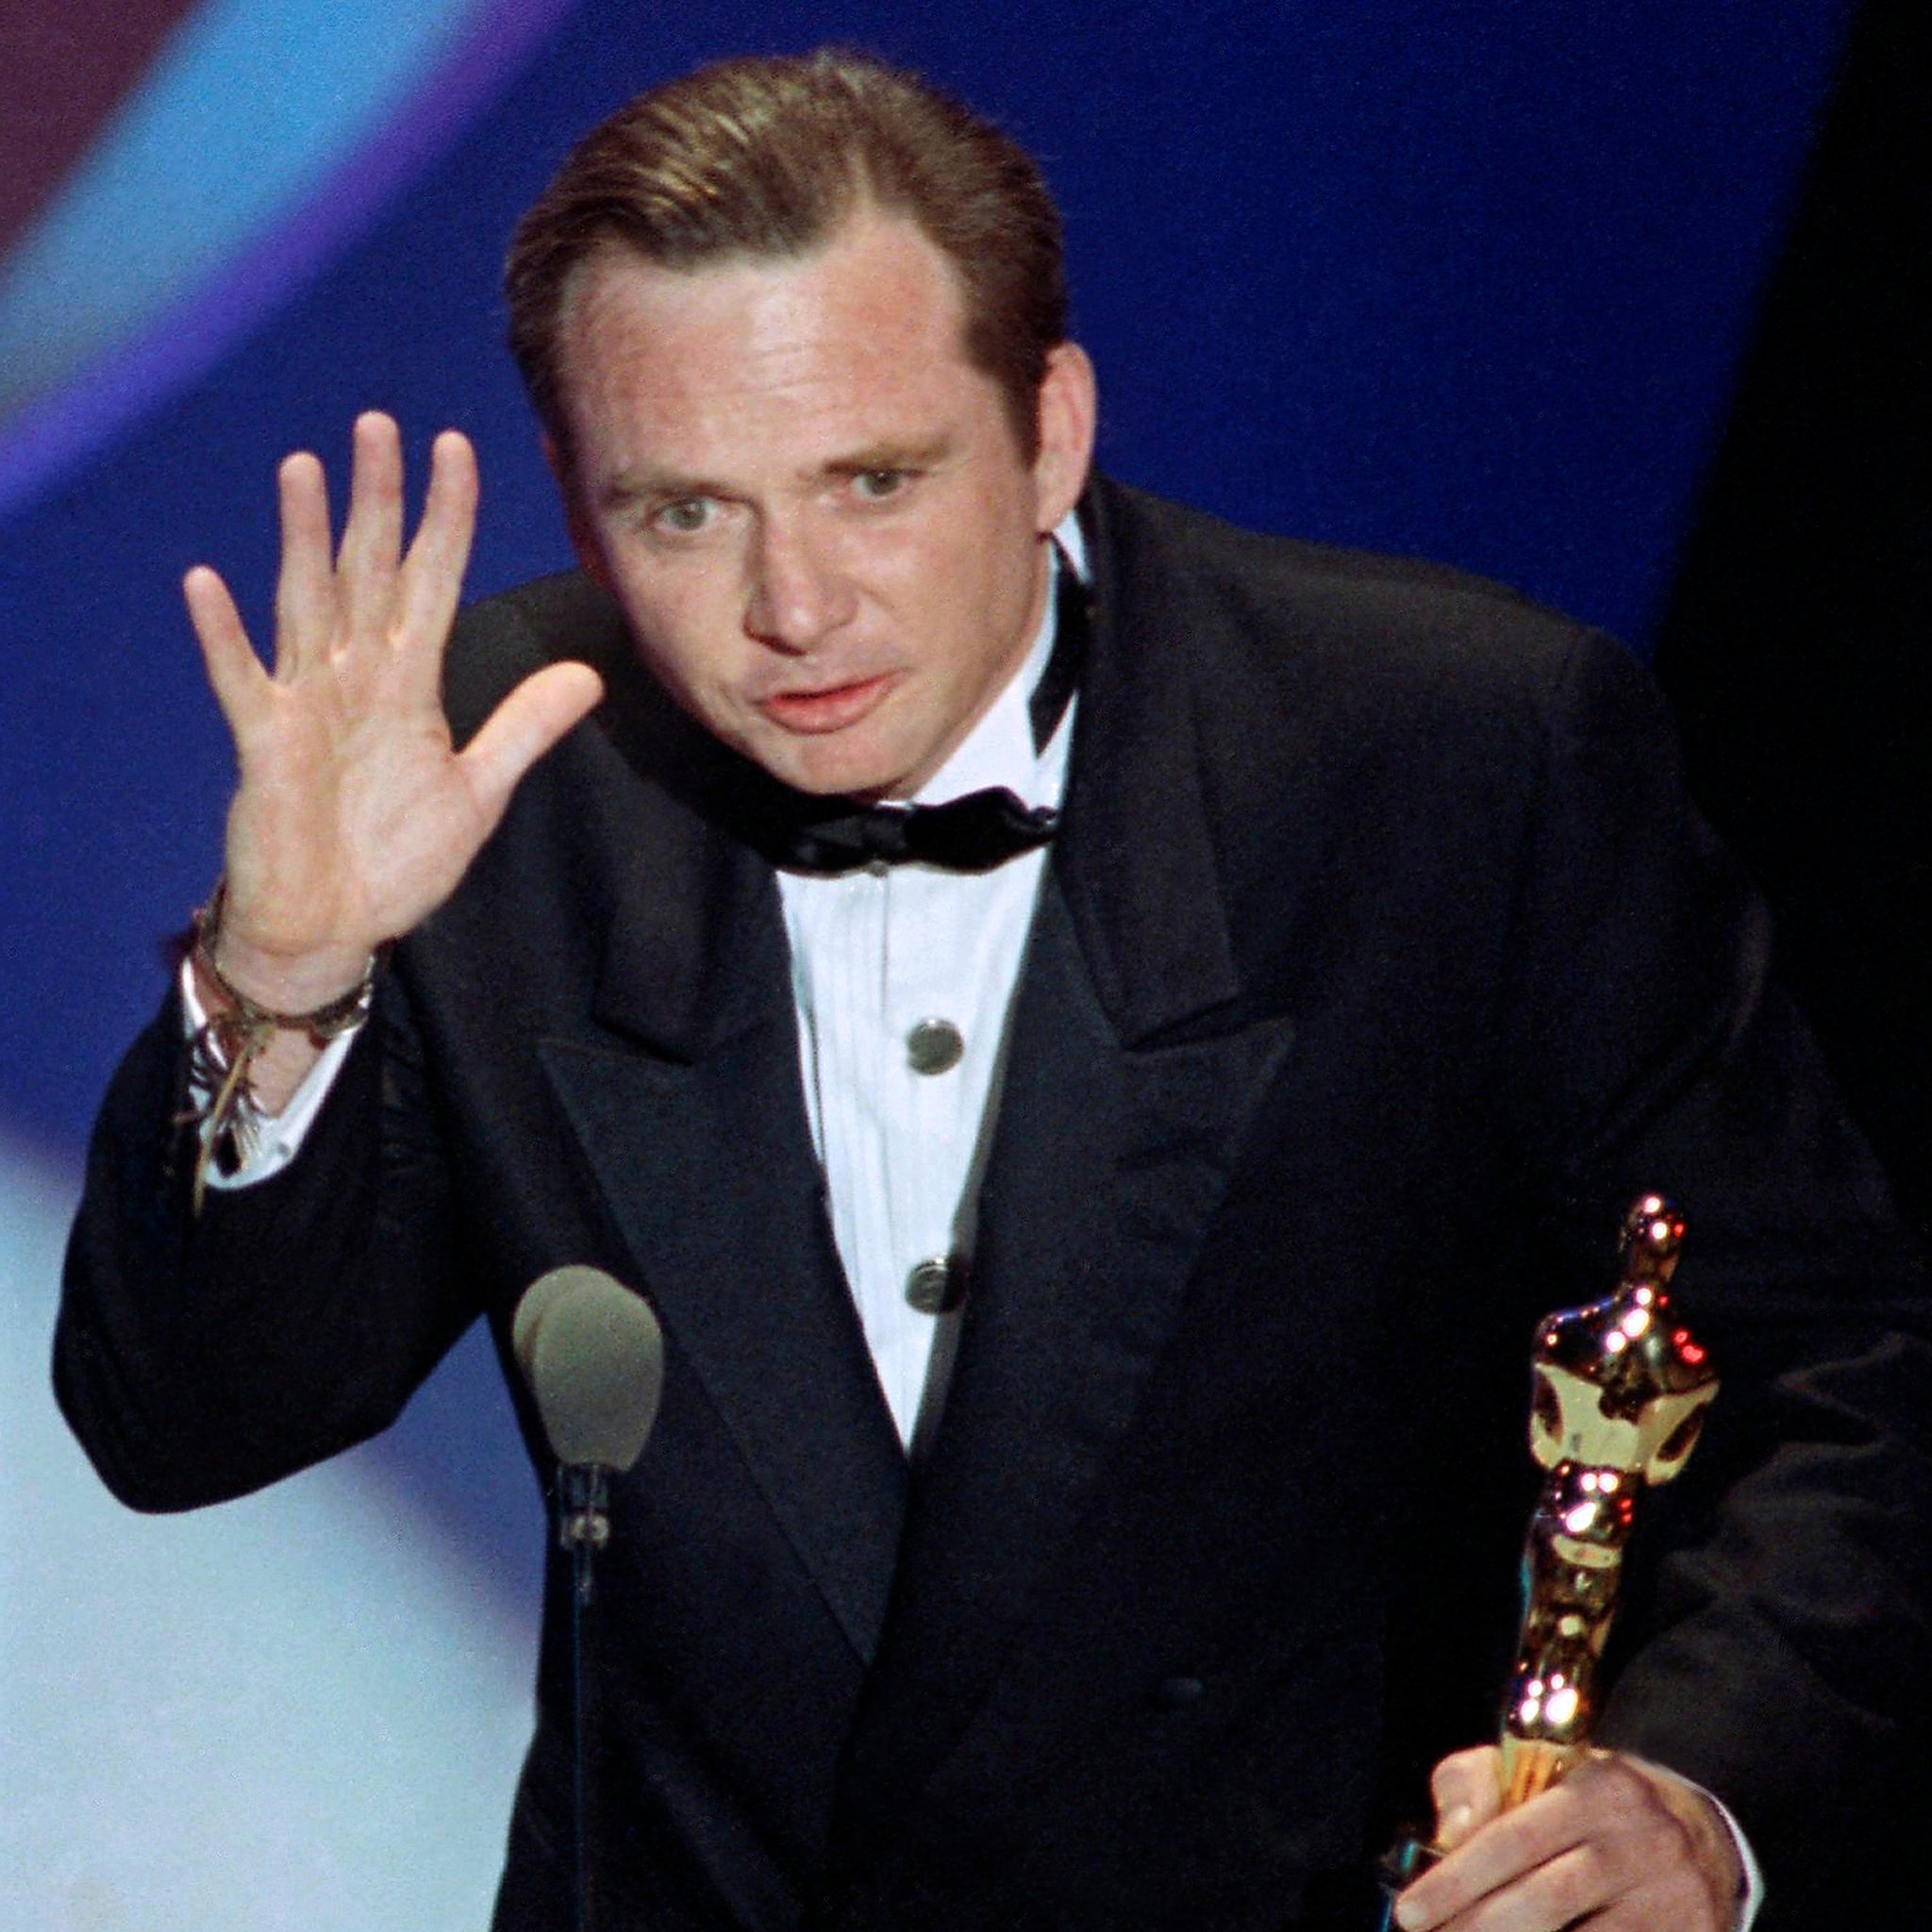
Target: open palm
[(355, 816)]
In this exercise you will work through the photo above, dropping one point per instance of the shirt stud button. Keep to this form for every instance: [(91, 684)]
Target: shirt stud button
[(934, 1047), (937, 1286)]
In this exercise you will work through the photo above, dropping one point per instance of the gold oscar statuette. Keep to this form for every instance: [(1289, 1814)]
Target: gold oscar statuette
[(1621, 1390)]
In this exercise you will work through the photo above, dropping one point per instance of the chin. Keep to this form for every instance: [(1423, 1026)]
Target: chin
[(823, 777), (823, 769)]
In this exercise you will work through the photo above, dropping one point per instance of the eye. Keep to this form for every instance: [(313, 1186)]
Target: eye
[(683, 518), (875, 486)]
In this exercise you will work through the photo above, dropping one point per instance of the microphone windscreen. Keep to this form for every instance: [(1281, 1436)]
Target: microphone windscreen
[(539, 1299), (594, 1355)]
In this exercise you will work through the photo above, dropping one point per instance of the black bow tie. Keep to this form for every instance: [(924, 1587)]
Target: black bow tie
[(970, 834)]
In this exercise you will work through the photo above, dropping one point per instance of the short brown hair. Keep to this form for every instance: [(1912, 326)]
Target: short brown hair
[(765, 158)]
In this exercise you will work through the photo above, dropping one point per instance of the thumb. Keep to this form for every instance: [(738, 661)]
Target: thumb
[(1467, 1788), (525, 726)]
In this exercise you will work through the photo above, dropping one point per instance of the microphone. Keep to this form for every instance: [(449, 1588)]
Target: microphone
[(592, 1355)]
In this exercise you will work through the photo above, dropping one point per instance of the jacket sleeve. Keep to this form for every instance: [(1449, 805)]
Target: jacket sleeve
[(199, 1358), (1775, 1616)]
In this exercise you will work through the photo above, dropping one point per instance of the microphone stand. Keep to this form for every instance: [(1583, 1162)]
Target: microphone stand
[(593, 1356), (583, 1528)]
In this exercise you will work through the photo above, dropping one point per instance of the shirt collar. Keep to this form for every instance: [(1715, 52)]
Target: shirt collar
[(999, 749)]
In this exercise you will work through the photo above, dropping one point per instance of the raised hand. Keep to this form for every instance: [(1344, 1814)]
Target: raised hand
[(354, 817)]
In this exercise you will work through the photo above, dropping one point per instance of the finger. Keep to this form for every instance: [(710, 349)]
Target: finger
[(524, 728), (1570, 1890), (1467, 1788), (373, 536), (305, 588), (234, 671), (1492, 1856), (433, 571)]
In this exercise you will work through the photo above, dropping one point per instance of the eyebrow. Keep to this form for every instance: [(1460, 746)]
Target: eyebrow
[(632, 486), (635, 484), (891, 456)]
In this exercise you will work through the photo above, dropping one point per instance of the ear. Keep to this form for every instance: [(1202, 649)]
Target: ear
[(589, 559), (1068, 403)]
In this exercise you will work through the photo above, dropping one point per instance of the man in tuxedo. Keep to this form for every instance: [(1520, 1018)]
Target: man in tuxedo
[(1098, 1033)]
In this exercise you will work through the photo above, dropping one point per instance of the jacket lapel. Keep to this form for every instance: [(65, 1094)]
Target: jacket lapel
[(687, 1105), (1133, 1071)]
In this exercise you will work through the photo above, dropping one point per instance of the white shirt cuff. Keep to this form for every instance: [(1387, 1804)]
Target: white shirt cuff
[(1754, 1878)]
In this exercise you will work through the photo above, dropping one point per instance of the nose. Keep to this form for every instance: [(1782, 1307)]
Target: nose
[(798, 593)]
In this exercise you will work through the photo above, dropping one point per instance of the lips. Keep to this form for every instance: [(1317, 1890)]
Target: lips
[(832, 708)]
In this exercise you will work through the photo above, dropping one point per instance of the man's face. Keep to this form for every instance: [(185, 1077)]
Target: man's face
[(812, 506)]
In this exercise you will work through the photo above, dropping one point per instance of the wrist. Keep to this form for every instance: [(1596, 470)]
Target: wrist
[(252, 1055), (233, 971), (1723, 1852), (291, 984)]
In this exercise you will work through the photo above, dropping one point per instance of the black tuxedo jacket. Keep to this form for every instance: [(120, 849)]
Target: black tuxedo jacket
[(1378, 964)]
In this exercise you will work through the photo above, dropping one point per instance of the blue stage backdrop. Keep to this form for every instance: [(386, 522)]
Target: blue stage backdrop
[(1465, 281)]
